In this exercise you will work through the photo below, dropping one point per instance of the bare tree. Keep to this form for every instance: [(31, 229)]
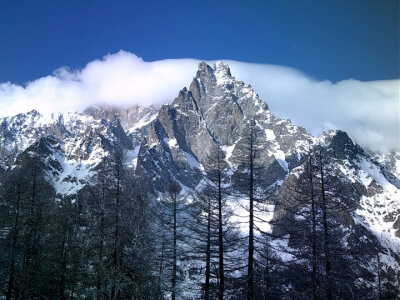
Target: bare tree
[(214, 166), (169, 211), (249, 152), (11, 202)]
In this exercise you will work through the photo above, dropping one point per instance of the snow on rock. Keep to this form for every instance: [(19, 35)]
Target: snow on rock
[(222, 73), (269, 134), (146, 120), (391, 161), (228, 153), (21, 131), (84, 143), (172, 143), (263, 214), (376, 210), (191, 160), (130, 158), (375, 173), (280, 157)]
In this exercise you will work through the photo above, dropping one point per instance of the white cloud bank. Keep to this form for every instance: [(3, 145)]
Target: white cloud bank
[(368, 111)]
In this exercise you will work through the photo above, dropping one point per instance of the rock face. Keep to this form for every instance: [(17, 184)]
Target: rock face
[(215, 112), (128, 117), (173, 142)]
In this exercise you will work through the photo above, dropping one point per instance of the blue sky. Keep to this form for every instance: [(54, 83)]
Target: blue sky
[(333, 40)]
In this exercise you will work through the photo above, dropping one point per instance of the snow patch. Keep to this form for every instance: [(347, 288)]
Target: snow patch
[(131, 157), (228, 153), (221, 73), (263, 214), (192, 161), (147, 119), (171, 142), (280, 157), (270, 135), (373, 171)]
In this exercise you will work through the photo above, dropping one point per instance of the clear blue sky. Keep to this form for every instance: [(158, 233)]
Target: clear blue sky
[(332, 40)]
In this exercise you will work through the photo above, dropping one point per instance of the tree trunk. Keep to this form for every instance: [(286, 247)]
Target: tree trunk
[(220, 232), (117, 250), (250, 264), (314, 233), (99, 275), (379, 277), (160, 270), (10, 285), (61, 292), (29, 238), (208, 253), (326, 232), (267, 271), (174, 268)]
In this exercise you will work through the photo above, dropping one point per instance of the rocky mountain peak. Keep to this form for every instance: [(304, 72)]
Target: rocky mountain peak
[(32, 113), (222, 72), (215, 86), (341, 146), (219, 73), (204, 70)]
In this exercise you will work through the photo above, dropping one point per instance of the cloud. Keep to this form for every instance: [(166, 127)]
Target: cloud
[(120, 79), (368, 111)]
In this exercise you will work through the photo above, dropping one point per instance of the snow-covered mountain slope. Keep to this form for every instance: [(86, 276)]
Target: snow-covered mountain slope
[(390, 160), (71, 145), (20, 131), (174, 142)]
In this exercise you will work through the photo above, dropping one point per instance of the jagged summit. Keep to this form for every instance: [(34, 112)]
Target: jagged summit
[(218, 67), (221, 67), (204, 70), (129, 117), (214, 112), (213, 85), (219, 72), (223, 73)]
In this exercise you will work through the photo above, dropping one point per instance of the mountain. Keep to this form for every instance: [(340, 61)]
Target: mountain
[(173, 143), (390, 160), (214, 112)]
